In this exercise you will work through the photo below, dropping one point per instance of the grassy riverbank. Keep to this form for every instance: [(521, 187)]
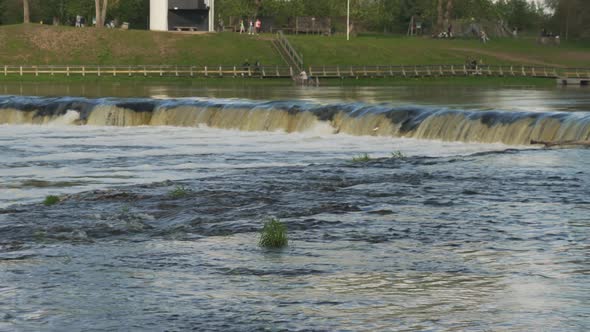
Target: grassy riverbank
[(33, 44), (386, 50)]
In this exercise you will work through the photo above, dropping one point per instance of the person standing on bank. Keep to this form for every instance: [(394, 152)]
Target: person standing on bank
[(242, 27), (250, 27), (258, 26)]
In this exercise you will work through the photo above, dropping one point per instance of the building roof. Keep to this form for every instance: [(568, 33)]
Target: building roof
[(188, 4)]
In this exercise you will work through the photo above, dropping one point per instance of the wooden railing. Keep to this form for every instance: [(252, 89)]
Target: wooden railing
[(288, 71), (150, 70), (446, 71)]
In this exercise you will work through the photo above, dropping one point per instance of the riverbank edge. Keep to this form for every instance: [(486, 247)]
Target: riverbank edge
[(240, 81)]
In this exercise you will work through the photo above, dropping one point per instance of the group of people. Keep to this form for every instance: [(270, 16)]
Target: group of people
[(254, 27), (549, 38), (80, 21), (256, 69)]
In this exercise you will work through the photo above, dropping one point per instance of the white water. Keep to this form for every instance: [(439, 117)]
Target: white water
[(90, 157)]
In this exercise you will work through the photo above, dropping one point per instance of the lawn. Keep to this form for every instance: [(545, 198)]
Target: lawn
[(34, 44), (397, 50)]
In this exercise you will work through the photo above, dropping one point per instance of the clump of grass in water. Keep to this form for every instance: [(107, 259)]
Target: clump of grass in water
[(51, 200), (179, 192), (363, 158), (273, 234), (398, 155)]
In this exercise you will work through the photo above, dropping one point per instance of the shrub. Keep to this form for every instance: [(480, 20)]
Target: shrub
[(51, 200), (273, 234)]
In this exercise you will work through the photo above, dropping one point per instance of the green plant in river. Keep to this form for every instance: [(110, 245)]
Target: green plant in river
[(179, 191), (51, 200), (125, 209), (398, 155), (273, 234), (363, 158)]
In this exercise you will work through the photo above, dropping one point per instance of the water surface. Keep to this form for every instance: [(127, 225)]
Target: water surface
[(453, 236)]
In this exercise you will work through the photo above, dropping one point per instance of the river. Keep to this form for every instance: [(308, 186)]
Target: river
[(454, 223)]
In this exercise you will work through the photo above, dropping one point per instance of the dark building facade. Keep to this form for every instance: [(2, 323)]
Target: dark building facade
[(181, 15), (188, 13)]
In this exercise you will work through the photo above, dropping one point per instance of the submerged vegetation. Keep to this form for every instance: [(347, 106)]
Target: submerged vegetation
[(179, 191), (51, 200), (273, 234), (398, 155), (362, 158)]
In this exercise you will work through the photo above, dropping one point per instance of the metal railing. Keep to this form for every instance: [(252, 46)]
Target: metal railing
[(290, 51)]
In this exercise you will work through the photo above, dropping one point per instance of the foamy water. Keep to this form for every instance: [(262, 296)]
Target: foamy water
[(42, 160)]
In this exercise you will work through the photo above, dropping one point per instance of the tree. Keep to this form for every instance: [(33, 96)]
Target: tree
[(101, 12), (448, 12), (571, 17), (439, 11), (26, 12)]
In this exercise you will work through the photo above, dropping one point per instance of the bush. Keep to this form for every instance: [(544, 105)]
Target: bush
[(273, 234), (51, 200)]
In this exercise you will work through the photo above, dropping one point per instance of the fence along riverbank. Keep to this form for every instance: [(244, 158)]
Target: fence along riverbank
[(579, 75)]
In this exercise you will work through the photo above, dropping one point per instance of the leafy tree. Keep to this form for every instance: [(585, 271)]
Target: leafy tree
[(571, 18)]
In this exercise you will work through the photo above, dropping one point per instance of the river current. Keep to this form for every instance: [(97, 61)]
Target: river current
[(456, 222)]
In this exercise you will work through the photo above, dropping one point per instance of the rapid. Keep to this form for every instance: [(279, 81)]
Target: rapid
[(456, 222)]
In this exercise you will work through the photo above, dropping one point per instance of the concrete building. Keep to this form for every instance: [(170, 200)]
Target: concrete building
[(173, 15)]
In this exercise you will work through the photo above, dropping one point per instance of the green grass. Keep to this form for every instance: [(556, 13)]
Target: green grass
[(273, 234), (401, 50), (362, 158), (34, 44), (179, 191), (51, 200)]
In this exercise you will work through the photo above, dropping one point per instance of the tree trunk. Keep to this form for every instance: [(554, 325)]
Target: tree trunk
[(26, 13), (97, 15), (103, 14), (448, 13), (439, 21)]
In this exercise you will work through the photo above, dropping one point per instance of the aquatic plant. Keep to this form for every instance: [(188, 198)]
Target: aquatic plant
[(363, 158), (179, 191), (398, 155), (273, 234), (51, 200)]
